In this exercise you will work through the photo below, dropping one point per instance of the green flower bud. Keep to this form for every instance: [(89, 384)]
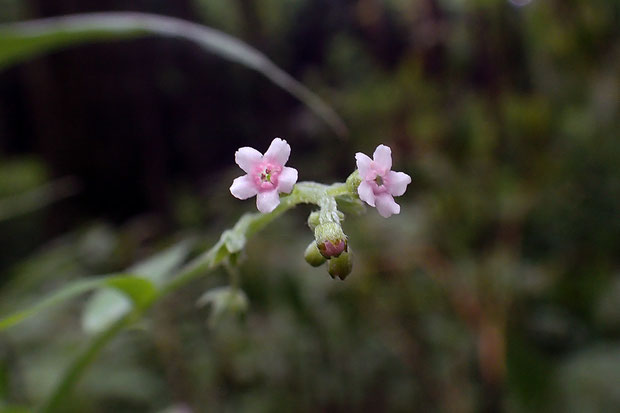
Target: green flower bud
[(353, 181), (330, 239), (313, 256), (340, 266), (313, 220)]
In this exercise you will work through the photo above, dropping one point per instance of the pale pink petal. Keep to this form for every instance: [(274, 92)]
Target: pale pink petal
[(398, 182), (243, 187), (364, 190), (267, 201), (278, 151), (383, 157), (287, 179), (386, 205), (247, 157), (363, 164)]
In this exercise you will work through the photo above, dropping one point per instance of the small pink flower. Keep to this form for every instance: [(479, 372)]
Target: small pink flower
[(379, 183), (266, 176)]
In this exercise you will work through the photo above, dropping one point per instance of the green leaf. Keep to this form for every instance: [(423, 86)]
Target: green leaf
[(160, 266), (139, 290), (110, 304), (234, 240), (224, 300), (69, 291), (25, 40), (104, 308), (38, 198)]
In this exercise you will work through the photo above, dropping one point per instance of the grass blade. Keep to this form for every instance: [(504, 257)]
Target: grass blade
[(24, 40)]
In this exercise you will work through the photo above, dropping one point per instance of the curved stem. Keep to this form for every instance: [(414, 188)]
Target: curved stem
[(23, 40), (247, 226)]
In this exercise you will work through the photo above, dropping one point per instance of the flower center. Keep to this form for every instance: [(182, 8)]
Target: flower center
[(266, 175), (379, 183)]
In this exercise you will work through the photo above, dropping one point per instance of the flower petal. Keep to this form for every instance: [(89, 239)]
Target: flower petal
[(363, 164), (383, 157), (278, 151), (364, 190), (397, 182), (386, 205), (287, 179), (243, 187), (247, 157), (267, 201)]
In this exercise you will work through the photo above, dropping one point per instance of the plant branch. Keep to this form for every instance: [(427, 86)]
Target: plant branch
[(231, 242)]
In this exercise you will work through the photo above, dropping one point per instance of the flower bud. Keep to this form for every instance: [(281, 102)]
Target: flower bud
[(330, 239), (313, 256), (340, 266), (329, 249), (353, 181), (313, 220)]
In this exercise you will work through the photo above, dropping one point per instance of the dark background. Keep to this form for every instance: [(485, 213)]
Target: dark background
[(497, 288)]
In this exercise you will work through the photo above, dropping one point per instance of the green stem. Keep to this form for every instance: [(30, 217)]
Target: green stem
[(248, 225)]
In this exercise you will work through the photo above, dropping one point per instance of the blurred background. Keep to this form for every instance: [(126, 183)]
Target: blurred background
[(497, 288)]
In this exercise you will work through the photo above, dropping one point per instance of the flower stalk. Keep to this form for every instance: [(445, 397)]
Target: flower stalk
[(267, 178)]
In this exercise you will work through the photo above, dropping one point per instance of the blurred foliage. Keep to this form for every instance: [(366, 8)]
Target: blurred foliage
[(497, 288), (24, 42)]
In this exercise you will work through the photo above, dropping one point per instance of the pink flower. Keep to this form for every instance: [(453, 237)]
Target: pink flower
[(266, 176), (379, 183)]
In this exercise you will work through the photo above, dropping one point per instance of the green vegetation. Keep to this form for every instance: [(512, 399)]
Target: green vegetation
[(497, 287)]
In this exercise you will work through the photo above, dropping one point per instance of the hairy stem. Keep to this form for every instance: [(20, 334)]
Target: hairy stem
[(247, 226)]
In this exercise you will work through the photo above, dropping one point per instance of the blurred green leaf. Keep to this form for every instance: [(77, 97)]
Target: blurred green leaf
[(139, 290), (69, 291), (37, 198), (158, 267), (18, 175), (108, 305), (234, 240), (22, 41), (104, 308), (224, 300)]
